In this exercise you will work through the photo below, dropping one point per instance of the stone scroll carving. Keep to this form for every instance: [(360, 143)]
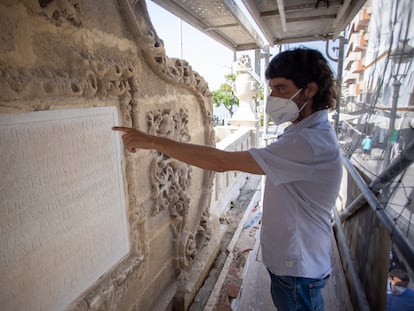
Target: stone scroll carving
[(172, 194), (59, 10), (176, 71), (89, 76), (170, 181)]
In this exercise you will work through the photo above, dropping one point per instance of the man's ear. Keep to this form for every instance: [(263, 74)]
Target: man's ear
[(311, 89)]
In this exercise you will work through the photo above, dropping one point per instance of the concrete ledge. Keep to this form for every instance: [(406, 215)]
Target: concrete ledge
[(214, 296), (196, 276)]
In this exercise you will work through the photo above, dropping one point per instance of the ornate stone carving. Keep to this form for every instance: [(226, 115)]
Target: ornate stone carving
[(177, 71), (60, 10), (83, 75), (89, 76), (168, 124), (203, 232), (187, 249), (244, 63), (211, 124), (170, 178), (170, 181)]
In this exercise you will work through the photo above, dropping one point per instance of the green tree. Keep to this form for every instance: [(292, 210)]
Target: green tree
[(258, 97), (258, 100), (225, 95)]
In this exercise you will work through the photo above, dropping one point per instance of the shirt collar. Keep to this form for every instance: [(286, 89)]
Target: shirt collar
[(315, 118)]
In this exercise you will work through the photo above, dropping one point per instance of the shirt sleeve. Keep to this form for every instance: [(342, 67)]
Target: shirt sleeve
[(289, 159)]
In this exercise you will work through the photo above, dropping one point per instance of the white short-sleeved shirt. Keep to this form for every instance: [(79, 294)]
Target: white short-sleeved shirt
[(303, 173)]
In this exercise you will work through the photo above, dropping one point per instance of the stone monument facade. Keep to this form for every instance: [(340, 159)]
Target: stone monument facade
[(84, 224)]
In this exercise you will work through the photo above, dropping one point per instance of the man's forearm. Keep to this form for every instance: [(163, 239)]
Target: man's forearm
[(204, 157)]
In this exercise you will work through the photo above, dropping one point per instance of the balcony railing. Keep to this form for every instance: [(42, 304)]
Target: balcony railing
[(227, 184)]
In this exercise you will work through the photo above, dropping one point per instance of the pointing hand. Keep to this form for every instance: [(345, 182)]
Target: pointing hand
[(133, 138)]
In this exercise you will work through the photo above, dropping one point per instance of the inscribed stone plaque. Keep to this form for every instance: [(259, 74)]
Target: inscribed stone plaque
[(63, 221)]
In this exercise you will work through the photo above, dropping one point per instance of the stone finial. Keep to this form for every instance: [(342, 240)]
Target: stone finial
[(244, 63)]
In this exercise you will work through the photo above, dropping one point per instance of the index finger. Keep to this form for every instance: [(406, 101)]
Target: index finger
[(122, 129)]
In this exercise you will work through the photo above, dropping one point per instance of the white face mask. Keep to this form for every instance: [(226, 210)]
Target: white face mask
[(397, 290), (282, 110)]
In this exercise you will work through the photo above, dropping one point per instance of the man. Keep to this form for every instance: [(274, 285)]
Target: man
[(399, 296), (303, 169)]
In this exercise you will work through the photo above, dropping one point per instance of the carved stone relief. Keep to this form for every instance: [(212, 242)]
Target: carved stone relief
[(176, 71), (86, 76), (90, 76), (170, 182), (59, 10)]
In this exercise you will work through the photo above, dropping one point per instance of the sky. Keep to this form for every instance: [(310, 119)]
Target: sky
[(209, 58)]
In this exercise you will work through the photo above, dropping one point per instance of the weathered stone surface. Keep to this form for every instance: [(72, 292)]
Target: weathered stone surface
[(60, 55), (62, 225)]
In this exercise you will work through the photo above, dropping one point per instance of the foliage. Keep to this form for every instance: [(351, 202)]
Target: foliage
[(258, 97), (225, 95)]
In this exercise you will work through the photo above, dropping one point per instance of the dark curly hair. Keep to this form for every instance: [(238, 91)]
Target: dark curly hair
[(303, 65), (401, 274)]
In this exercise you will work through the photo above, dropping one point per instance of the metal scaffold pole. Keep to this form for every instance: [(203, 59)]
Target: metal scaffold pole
[(339, 78)]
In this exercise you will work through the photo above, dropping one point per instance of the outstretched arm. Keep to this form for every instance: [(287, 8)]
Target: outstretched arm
[(205, 157)]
